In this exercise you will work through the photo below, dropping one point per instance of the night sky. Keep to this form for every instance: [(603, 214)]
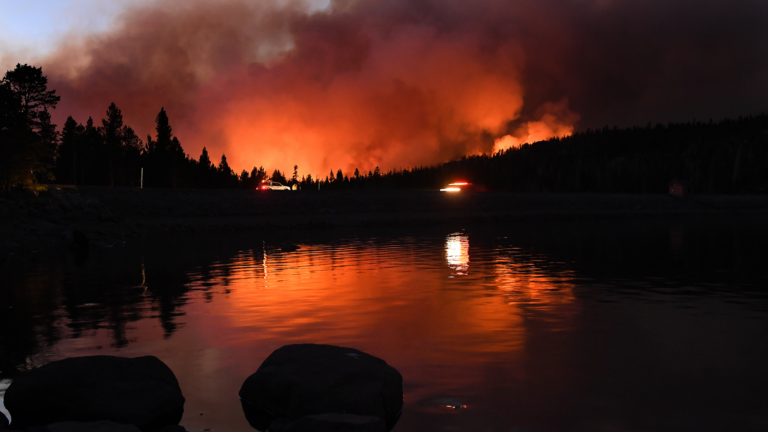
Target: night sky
[(391, 83)]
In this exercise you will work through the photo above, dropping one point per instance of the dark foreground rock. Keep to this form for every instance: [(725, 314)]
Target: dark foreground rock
[(3, 422), (332, 422), (80, 243), (304, 380), (141, 391), (99, 426)]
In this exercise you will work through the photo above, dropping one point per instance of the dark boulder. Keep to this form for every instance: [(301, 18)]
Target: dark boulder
[(3, 421), (289, 247), (98, 426), (332, 422), (141, 391), (297, 381), (80, 243), (173, 428)]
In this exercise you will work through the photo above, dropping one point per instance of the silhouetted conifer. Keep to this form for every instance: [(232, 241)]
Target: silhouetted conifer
[(177, 160), (163, 131), (226, 176), (205, 160), (31, 86), (205, 171), (278, 177), (28, 138), (164, 158), (131, 153), (66, 161), (113, 140)]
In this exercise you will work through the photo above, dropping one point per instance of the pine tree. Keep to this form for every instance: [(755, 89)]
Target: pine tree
[(93, 144), (206, 171), (66, 161), (163, 130), (224, 166), (31, 86), (205, 160), (177, 159), (226, 176), (17, 141), (131, 153), (278, 177), (165, 158), (27, 150), (113, 140)]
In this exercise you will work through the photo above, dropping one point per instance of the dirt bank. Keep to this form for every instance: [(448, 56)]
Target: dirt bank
[(45, 221)]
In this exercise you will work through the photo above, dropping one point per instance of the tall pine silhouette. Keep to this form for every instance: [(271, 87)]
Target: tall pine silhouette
[(27, 136)]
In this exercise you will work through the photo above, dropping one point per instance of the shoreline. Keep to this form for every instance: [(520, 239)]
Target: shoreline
[(44, 222)]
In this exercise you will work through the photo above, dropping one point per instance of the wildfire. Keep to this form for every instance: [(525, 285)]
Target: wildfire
[(343, 90), (555, 120)]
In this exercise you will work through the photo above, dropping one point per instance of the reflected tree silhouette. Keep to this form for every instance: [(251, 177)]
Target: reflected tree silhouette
[(28, 319), (48, 300), (166, 289)]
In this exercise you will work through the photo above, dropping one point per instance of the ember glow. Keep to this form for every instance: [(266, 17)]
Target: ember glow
[(367, 83)]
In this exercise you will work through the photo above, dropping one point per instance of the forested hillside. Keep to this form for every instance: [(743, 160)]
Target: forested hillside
[(730, 156)]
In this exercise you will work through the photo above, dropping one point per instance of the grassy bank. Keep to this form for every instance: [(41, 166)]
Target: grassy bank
[(37, 222)]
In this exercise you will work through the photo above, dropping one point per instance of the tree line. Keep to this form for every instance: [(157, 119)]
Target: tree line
[(112, 155), (726, 157), (33, 153), (730, 156)]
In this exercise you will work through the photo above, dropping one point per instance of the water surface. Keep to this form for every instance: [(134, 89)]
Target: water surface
[(629, 325)]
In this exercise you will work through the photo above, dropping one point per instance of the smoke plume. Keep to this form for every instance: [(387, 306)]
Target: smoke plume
[(395, 83)]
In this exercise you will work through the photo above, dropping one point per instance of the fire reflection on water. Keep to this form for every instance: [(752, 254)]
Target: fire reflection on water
[(530, 281), (457, 253), (520, 342), (264, 260), (395, 299)]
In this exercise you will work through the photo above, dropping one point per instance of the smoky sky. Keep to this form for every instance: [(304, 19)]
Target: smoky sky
[(396, 83)]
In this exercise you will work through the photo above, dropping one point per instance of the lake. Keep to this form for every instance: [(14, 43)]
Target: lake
[(592, 325)]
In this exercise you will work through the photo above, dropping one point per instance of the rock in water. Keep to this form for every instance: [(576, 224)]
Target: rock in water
[(304, 380), (99, 426), (173, 428), (80, 243), (141, 391), (333, 422), (3, 421), (289, 247)]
